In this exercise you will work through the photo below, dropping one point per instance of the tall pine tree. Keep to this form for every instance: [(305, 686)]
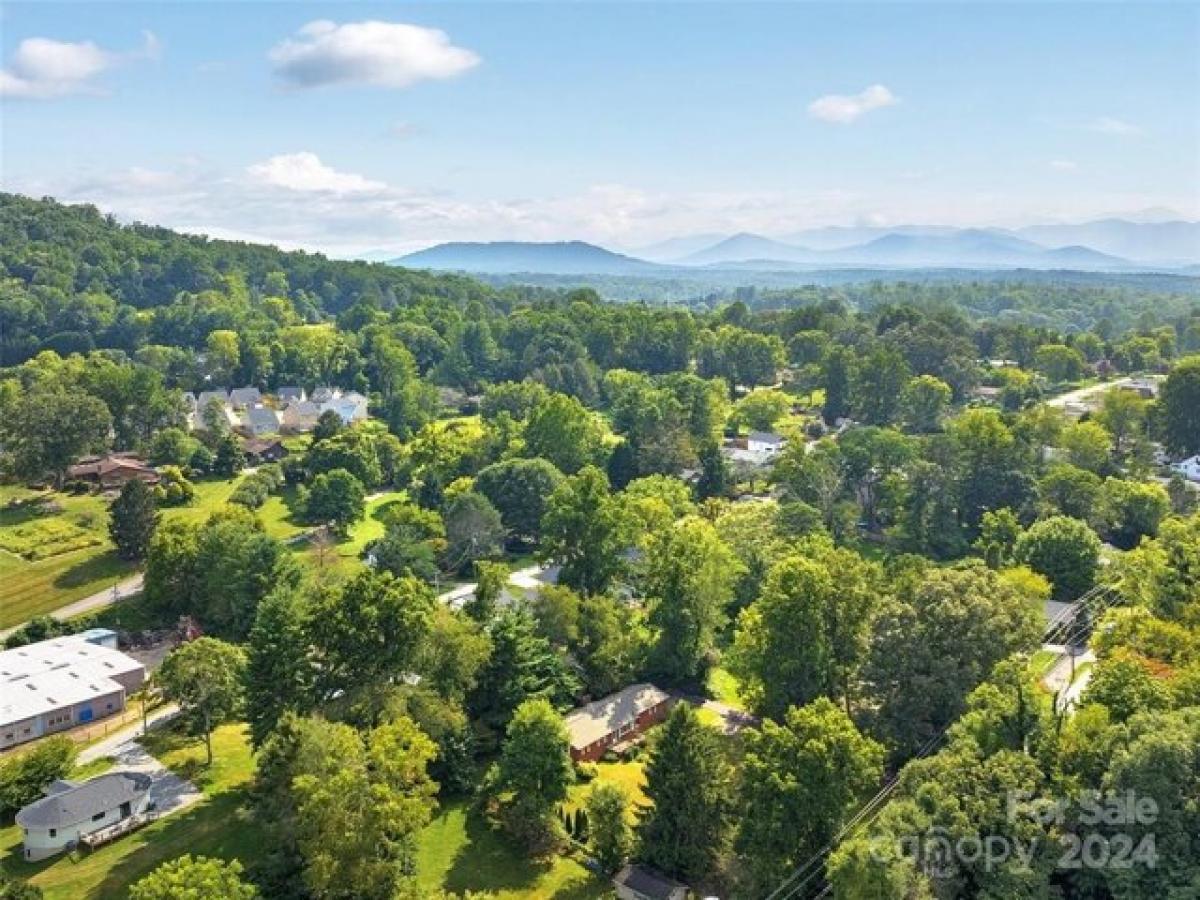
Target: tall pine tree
[(133, 517), (688, 782)]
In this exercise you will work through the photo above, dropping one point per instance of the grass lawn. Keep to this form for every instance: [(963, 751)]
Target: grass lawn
[(48, 561), (460, 852), (216, 826), (630, 776), (723, 687)]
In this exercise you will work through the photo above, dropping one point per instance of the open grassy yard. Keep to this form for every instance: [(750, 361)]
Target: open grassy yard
[(216, 826), (51, 559), (460, 852)]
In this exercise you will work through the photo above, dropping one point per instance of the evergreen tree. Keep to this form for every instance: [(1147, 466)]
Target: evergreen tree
[(533, 774), (610, 837), (714, 472), (229, 458), (685, 830), (836, 381), (133, 519), (279, 671)]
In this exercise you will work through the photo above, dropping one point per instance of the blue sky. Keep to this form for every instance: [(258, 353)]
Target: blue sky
[(390, 126)]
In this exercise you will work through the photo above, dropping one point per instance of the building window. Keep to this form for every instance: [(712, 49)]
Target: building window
[(97, 817), (53, 832)]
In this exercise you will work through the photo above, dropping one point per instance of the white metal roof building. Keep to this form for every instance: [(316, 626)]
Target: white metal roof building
[(57, 684)]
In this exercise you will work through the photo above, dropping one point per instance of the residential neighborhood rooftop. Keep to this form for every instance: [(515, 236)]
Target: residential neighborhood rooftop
[(589, 723)]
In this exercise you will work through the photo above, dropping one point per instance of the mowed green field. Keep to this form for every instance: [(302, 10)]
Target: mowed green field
[(35, 586), (34, 576)]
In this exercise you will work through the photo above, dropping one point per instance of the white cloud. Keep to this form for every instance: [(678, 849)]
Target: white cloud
[(1063, 165), (846, 108), (384, 54), (306, 172), (1109, 125), (43, 68)]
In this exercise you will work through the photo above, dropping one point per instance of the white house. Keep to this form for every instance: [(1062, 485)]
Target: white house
[(1189, 468), (70, 811), (57, 684), (758, 448), (351, 407)]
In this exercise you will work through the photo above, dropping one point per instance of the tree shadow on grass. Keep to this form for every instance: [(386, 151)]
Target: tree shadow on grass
[(96, 568), (490, 862), (220, 826)]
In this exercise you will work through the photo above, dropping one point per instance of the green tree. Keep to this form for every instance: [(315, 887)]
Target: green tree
[(24, 778), (1087, 446), (1179, 407), (1059, 362), (801, 781), (1071, 491), (585, 531), (474, 531), (690, 579), (685, 828), (133, 519), (835, 379), (878, 386), (353, 804), (205, 677), (806, 635), (329, 424), (998, 534), (43, 433), (522, 666), (923, 402), (944, 630), (491, 578), (1134, 510), (610, 836), (336, 498), (229, 458), (520, 489), (1126, 683), (762, 408), (369, 632), (715, 477), (1123, 414), (562, 430), (533, 774), (197, 878), (279, 672), (1065, 550)]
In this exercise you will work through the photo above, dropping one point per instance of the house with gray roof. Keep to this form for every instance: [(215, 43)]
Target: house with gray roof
[(291, 394), (71, 811), (245, 397), (259, 420), (638, 882)]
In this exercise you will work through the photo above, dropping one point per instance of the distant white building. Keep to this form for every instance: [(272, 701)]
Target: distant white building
[(351, 407), (757, 448), (1189, 468), (57, 684), (70, 811)]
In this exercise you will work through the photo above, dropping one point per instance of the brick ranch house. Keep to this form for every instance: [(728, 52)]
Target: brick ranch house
[(599, 725)]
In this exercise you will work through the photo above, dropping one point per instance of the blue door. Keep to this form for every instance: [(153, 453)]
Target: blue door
[(85, 714)]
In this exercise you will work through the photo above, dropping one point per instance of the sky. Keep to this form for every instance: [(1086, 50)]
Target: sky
[(357, 128)]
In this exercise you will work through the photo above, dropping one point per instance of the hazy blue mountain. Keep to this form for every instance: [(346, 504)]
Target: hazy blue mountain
[(1159, 242), (676, 248), (565, 258), (743, 247), (837, 237)]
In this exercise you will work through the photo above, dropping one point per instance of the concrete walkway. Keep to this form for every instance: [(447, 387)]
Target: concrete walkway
[(1058, 679), (120, 591)]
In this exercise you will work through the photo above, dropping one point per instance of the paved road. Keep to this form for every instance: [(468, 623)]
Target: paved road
[(98, 600), (111, 744)]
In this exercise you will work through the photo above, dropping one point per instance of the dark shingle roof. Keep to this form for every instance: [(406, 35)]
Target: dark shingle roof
[(647, 882), (80, 803)]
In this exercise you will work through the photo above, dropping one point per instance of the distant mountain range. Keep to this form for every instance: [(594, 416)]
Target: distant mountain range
[(1109, 245), (565, 258)]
